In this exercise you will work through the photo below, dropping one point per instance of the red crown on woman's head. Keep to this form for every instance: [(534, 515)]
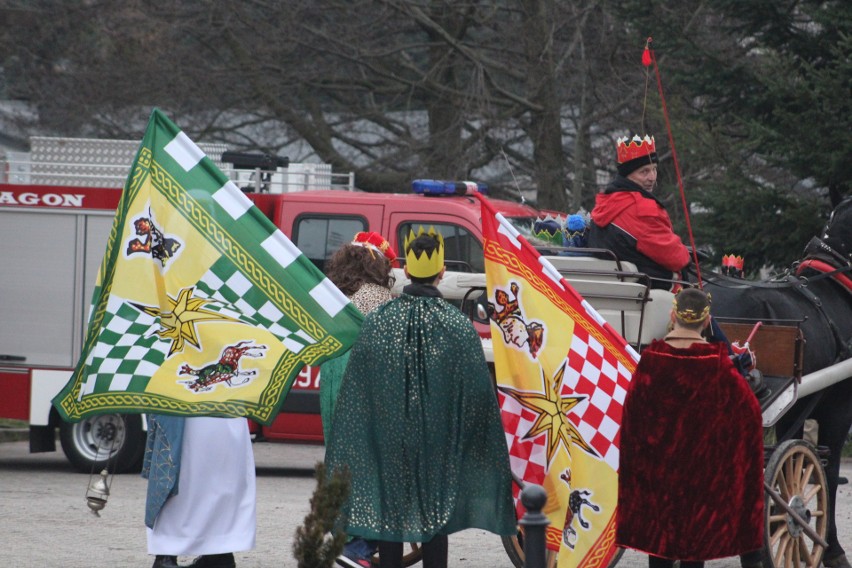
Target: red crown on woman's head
[(374, 241), (630, 149), (732, 261)]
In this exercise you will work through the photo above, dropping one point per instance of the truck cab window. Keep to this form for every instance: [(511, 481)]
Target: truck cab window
[(318, 237), (463, 252), (524, 225)]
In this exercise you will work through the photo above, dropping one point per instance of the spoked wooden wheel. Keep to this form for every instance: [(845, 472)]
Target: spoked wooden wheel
[(514, 547), (795, 473), (410, 557)]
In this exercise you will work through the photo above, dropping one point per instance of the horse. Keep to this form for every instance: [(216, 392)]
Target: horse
[(226, 370), (817, 289)]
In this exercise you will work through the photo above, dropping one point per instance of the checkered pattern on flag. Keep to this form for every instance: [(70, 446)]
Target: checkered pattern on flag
[(562, 376), (202, 306)]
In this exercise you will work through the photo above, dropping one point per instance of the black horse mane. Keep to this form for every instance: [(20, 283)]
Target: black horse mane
[(837, 234), (840, 206)]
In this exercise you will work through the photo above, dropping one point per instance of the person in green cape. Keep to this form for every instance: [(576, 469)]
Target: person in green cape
[(361, 269), (417, 422)]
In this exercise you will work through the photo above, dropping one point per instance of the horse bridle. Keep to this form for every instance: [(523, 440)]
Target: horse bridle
[(844, 254)]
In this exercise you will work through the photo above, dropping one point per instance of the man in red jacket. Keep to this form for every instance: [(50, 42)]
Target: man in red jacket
[(631, 222)]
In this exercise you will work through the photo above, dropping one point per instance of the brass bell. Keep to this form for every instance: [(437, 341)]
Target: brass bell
[(98, 493)]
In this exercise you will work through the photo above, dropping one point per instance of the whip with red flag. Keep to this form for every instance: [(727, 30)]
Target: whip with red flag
[(649, 59)]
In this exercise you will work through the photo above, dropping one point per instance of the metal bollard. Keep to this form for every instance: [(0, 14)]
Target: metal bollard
[(534, 522)]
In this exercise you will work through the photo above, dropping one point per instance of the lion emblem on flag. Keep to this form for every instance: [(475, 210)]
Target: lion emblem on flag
[(576, 501)]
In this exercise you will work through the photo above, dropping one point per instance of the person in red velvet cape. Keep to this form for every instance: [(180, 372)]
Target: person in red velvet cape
[(690, 484)]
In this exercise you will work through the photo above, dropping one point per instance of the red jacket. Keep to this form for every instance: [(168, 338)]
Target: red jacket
[(630, 221)]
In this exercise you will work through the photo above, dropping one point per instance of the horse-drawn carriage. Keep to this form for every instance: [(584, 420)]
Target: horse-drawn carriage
[(816, 295), (797, 494), (803, 352), (802, 349), (796, 490)]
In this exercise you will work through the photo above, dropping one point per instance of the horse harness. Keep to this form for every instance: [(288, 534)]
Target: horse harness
[(821, 258), (828, 263)]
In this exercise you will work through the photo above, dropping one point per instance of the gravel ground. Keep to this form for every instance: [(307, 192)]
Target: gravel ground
[(44, 521)]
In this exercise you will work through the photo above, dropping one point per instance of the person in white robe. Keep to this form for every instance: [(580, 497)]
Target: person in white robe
[(201, 490)]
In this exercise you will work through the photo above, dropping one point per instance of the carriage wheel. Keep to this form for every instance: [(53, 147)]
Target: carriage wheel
[(514, 547), (409, 558), (796, 474)]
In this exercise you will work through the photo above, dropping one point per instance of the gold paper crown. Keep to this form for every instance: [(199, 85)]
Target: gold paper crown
[(689, 315), (426, 265)]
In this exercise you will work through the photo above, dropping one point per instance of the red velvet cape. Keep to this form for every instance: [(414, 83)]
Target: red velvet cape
[(690, 483)]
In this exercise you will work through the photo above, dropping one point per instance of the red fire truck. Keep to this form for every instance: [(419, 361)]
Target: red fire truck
[(56, 209)]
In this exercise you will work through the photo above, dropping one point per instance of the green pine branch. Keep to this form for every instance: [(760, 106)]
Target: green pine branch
[(319, 541)]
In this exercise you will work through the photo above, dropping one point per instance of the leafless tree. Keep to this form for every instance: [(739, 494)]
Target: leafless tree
[(515, 91)]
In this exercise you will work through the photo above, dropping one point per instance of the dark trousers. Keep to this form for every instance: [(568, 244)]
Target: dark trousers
[(434, 553)]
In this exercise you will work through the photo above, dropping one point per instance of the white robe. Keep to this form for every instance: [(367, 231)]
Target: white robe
[(214, 511)]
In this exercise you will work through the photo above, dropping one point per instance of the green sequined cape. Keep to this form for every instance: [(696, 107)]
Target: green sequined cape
[(331, 376), (418, 425)]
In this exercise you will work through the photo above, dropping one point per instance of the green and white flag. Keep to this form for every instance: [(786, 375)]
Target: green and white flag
[(202, 306)]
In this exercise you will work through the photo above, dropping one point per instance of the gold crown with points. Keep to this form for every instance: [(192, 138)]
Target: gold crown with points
[(426, 265), (689, 315)]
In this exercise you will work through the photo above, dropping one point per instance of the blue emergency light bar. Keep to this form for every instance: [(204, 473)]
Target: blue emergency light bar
[(440, 187)]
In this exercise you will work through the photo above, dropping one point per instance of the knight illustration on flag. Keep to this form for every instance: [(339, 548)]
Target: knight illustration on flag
[(201, 305), (562, 375)]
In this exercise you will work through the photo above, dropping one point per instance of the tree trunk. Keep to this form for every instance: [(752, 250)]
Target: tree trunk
[(584, 185), (545, 125), (445, 158)]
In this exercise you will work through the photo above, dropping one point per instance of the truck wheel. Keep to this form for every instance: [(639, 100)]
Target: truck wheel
[(115, 441)]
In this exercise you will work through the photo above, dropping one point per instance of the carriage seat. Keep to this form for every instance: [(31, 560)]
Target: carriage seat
[(620, 294), (616, 290), (779, 354)]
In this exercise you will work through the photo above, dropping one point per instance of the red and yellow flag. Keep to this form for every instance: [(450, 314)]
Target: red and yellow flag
[(562, 376)]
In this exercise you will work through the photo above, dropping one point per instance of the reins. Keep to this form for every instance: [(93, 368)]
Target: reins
[(798, 284), (811, 264), (789, 280)]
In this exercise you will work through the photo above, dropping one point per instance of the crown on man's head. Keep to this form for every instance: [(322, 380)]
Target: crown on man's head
[(731, 261), (426, 265), (630, 149)]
